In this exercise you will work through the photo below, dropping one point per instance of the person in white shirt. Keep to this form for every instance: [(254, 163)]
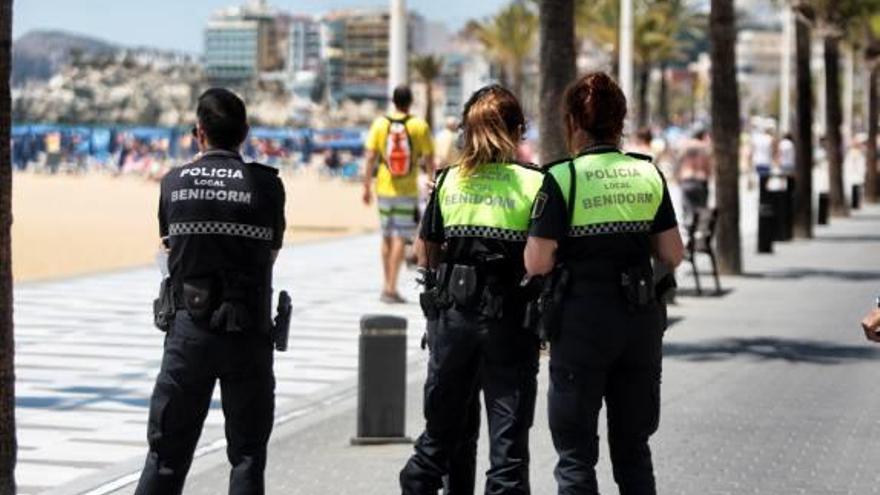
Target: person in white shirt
[(762, 151), (786, 155)]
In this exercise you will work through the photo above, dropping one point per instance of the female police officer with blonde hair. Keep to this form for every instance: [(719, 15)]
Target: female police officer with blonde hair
[(472, 239), (602, 215)]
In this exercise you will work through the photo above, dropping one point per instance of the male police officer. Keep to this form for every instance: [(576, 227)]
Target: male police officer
[(223, 223)]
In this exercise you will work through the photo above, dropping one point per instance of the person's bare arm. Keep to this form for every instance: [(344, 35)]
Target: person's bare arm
[(427, 253), (430, 167), (540, 256), (668, 247), (371, 160), (870, 325)]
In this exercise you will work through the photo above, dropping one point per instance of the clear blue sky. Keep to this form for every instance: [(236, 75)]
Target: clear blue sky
[(177, 24)]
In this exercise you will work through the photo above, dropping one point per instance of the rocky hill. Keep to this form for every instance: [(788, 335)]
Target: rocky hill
[(71, 79), (39, 55)]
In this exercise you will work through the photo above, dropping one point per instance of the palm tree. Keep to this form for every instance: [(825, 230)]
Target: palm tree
[(803, 190), (8, 446), (660, 36), (834, 19), (872, 58), (871, 186), (428, 68), (833, 121), (558, 69), (509, 38), (725, 133)]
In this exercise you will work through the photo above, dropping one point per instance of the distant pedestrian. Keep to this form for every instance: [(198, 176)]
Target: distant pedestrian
[(642, 142), (762, 150), (400, 144), (786, 154), (694, 172), (446, 144)]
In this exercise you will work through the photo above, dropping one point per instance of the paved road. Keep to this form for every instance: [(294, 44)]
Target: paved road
[(770, 389), (87, 357)]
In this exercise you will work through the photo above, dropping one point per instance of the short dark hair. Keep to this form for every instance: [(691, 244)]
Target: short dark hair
[(223, 117), (402, 97), (645, 135)]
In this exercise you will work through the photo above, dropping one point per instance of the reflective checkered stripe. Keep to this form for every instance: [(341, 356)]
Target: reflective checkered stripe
[(485, 233), (221, 228), (610, 228)]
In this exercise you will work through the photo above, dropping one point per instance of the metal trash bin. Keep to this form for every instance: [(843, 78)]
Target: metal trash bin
[(782, 188), (856, 196), (824, 208), (381, 408), (766, 216)]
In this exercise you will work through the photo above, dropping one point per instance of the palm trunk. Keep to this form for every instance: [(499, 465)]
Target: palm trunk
[(8, 446), (557, 71), (871, 186), (429, 106), (803, 190), (663, 98), (644, 82), (725, 133), (833, 121)]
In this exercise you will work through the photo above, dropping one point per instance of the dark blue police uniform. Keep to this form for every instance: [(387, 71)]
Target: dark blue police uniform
[(221, 219)]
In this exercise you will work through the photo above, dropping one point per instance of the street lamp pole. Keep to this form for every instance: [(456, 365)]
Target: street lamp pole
[(785, 76), (397, 56), (626, 50), (848, 95)]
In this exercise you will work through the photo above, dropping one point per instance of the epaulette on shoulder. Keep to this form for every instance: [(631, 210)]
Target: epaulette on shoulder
[(561, 161), (640, 156), (264, 168)]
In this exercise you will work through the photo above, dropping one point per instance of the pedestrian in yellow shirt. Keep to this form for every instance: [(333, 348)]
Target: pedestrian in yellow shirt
[(399, 144)]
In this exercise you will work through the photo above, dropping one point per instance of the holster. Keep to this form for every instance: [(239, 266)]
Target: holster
[(637, 285), (432, 298), (550, 303), (663, 286), (281, 328), (429, 301), (198, 297), (163, 306), (221, 304), (464, 287)]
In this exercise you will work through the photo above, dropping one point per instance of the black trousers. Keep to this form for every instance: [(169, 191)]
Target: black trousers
[(193, 361), (468, 354), (604, 351), (462, 476)]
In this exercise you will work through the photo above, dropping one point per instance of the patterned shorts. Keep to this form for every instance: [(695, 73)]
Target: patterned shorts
[(399, 216)]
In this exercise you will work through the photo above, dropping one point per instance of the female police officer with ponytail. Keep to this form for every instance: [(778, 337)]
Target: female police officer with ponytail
[(472, 241), (599, 219)]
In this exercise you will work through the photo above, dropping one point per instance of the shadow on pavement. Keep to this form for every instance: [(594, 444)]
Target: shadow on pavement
[(800, 273), (846, 238), (708, 292), (83, 397), (767, 349)]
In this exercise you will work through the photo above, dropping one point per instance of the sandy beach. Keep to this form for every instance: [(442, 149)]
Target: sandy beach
[(72, 225)]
